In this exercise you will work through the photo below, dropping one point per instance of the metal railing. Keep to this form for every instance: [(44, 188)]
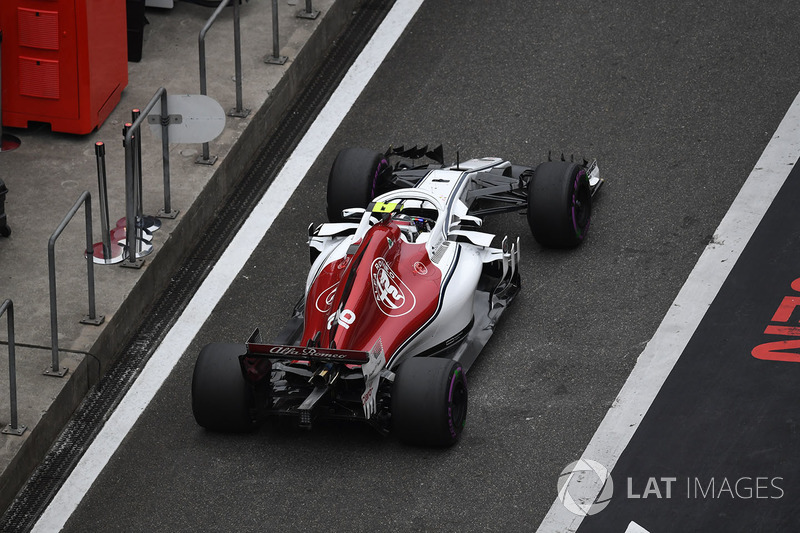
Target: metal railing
[(239, 111), (85, 199), (275, 58), (131, 134), (146, 223), (133, 231), (149, 222), (13, 428)]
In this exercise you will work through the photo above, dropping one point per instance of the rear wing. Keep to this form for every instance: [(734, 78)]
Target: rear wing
[(305, 353)]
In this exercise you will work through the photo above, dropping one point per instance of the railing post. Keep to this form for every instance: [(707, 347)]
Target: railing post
[(148, 223), (167, 212), (100, 154), (275, 58), (137, 167), (238, 112), (308, 13), (135, 244), (91, 318), (205, 158), (55, 369), (13, 428), (105, 252), (131, 231)]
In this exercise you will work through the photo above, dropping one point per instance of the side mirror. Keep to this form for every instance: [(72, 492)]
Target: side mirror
[(353, 212)]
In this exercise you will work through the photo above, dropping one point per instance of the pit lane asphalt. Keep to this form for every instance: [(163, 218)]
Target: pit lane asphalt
[(675, 101)]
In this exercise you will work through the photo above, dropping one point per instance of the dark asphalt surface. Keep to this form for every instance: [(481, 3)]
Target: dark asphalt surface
[(676, 100), (724, 425)]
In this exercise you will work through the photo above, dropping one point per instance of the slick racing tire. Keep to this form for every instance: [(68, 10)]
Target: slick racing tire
[(429, 401), (559, 204), (221, 398), (354, 180)]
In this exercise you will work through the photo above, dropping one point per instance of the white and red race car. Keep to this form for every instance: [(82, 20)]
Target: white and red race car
[(403, 293)]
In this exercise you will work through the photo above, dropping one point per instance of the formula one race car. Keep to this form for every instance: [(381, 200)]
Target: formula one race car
[(403, 293)]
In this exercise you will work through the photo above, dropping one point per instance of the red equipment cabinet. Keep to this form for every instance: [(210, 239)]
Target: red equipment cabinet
[(64, 62)]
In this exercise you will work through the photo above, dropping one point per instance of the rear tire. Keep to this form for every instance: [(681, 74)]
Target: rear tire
[(559, 204), (221, 399), (429, 401), (354, 180)]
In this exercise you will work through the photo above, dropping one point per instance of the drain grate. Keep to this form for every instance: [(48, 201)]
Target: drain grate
[(101, 400)]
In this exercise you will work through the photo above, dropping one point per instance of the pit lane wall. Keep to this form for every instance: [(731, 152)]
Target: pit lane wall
[(306, 46)]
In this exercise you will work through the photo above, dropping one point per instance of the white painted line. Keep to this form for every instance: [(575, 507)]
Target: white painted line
[(227, 268), (689, 307)]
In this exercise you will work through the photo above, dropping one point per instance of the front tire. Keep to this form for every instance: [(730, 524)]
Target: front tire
[(559, 204), (354, 180), (429, 401), (221, 399)]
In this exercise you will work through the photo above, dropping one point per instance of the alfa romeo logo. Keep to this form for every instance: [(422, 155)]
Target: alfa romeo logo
[(585, 487), (393, 297)]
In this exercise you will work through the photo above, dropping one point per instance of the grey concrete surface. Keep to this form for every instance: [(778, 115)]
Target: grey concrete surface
[(49, 171)]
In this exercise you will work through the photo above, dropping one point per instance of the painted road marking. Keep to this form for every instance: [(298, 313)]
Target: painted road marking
[(227, 268), (670, 339)]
